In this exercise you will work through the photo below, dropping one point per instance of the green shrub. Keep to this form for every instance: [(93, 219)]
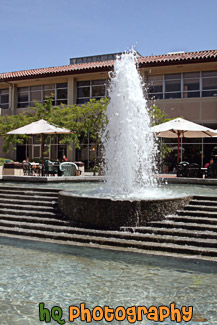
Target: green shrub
[(4, 161)]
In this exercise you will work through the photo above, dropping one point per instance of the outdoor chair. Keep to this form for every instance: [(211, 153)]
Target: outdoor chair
[(49, 168), (68, 168), (27, 169), (193, 170), (181, 169), (212, 171)]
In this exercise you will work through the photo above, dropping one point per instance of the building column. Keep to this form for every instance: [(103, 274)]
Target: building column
[(13, 98), (71, 101), (71, 91)]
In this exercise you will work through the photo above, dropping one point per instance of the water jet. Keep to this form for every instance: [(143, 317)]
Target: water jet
[(131, 196)]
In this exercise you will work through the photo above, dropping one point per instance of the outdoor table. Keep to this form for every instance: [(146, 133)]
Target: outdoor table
[(36, 167)]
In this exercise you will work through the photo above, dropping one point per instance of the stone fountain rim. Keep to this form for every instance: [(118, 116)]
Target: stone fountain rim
[(72, 194)]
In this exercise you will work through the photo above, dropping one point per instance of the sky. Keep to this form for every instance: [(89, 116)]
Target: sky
[(46, 33)]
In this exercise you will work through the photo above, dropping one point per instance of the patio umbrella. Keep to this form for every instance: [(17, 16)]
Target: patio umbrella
[(181, 128), (40, 127)]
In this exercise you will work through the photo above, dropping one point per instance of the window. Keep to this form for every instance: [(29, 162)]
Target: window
[(173, 85), (155, 87), (28, 95), (209, 84), (90, 89), (4, 98), (182, 85), (61, 93), (191, 84), (23, 97)]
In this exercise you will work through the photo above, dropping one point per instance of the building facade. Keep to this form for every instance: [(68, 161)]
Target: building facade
[(181, 84)]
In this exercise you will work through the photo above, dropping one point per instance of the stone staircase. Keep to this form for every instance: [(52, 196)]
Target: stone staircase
[(33, 214)]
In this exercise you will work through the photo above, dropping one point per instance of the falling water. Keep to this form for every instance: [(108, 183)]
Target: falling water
[(129, 144)]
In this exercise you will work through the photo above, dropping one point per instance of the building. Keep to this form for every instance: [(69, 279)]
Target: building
[(181, 84)]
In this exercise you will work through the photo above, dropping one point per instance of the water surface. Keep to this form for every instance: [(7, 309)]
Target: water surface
[(33, 272)]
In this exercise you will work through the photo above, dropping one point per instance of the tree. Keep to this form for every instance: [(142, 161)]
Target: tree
[(84, 121), (158, 117)]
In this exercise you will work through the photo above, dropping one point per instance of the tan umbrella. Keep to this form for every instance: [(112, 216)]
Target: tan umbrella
[(181, 128), (40, 127)]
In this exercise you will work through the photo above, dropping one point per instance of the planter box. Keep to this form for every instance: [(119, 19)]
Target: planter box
[(15, 169)]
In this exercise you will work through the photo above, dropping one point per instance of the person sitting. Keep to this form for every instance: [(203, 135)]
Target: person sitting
[(210, 163), (64, 158)]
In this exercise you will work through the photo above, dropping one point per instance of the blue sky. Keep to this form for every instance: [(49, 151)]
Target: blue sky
[(44, 33)]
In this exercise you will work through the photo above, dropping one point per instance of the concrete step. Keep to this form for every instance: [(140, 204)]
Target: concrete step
[(30, 213), (30, 192), (180, 232), (187, 218), (197, 213), (150, 246), (12, 202), (19, 207), (212, 243), (204, 197), (203, 202), (29, 219), (29, 189), (184, 225), (200, 208), (27, 197)]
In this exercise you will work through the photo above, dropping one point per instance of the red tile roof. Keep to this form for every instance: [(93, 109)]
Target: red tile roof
[(173, 58), (177, 57)]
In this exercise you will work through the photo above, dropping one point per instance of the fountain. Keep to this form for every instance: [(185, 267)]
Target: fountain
[(131, 195)]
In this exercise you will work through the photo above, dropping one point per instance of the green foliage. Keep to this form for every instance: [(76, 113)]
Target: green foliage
[(86, 120), (4, 160), (159, 117)]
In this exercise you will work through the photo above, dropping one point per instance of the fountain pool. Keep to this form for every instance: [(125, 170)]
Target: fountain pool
[(84, 188), (33, 272)]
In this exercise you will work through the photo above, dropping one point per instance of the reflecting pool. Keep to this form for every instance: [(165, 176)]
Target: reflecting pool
[(59, 275)]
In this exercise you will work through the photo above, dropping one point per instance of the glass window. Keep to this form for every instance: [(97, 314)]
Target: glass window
[(155, 87), (36, 151), (4, 98), (28, 95), (48, 93), (61, 101), (83, 83), (210, 83), (191, 84), (83, 92), (209, 74), (23, 97), (172, 85), (172, 76), (46, 87), (90, 89), (61, 93), (190, 75), (82, 100), (191, 94), (62, 85), (209, 93), (98, 82), (35, 88), (172, 95), (98, 91), (35, 96)]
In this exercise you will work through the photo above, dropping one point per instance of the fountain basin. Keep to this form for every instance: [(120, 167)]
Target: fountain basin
[(107, 213)]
